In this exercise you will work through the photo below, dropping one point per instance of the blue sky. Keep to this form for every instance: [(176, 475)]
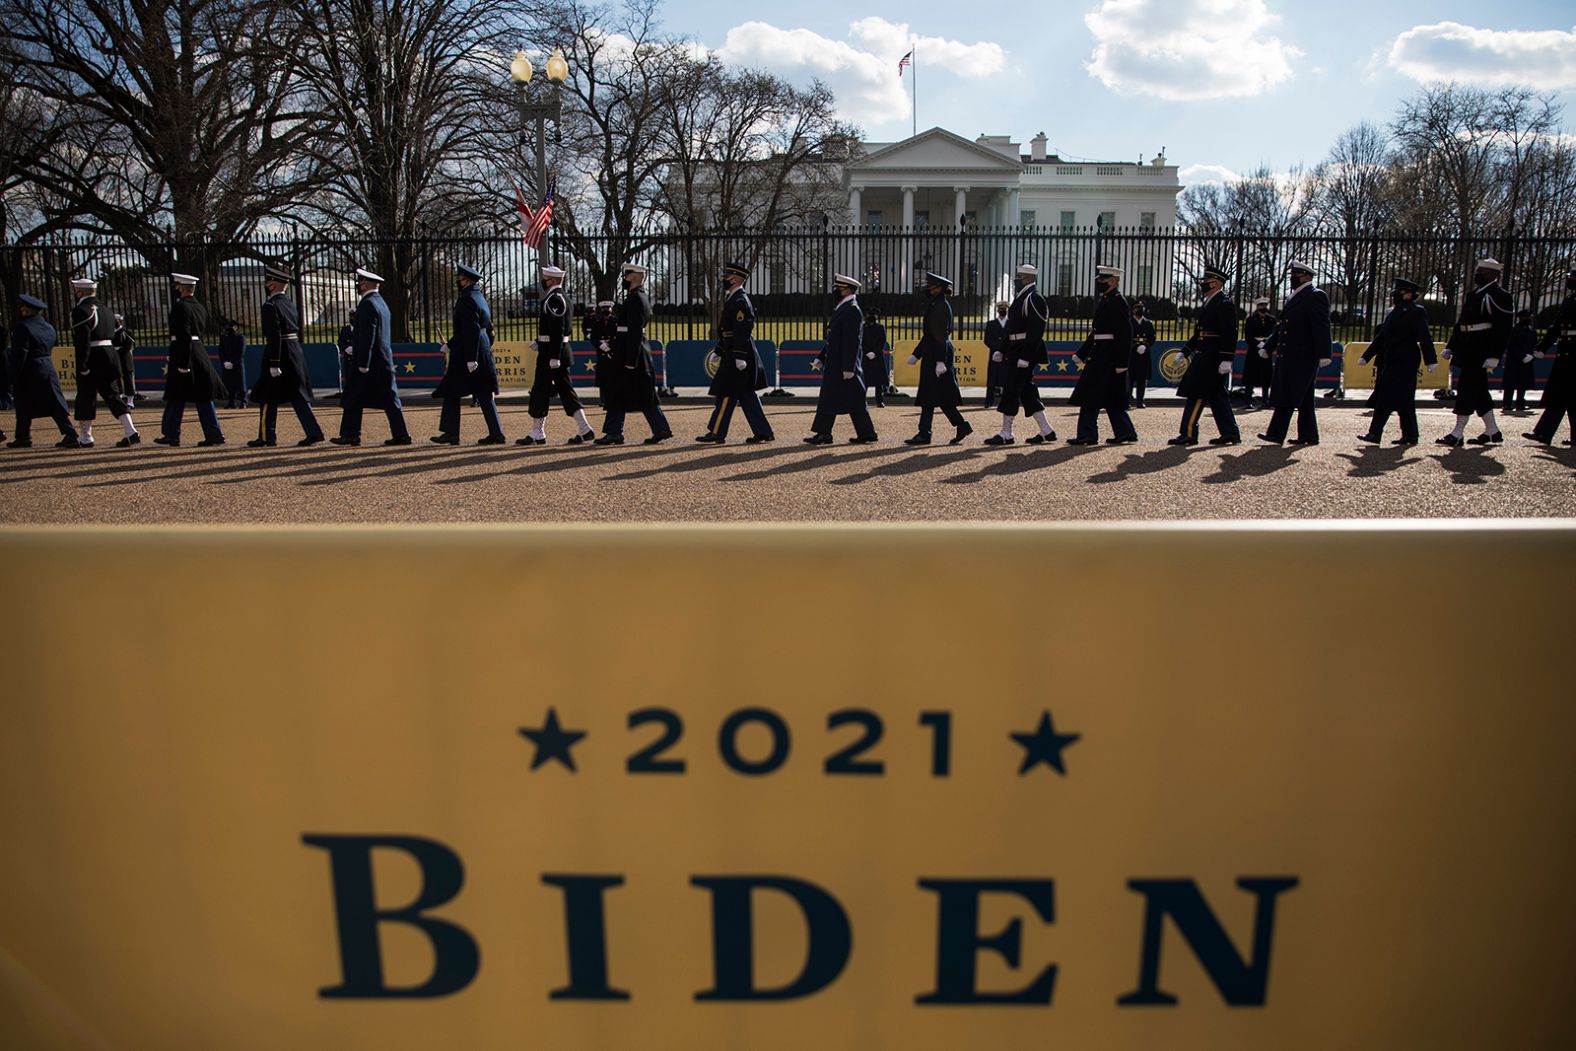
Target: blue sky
[(1221, 84)]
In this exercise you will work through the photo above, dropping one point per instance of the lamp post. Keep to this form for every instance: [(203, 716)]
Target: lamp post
[(551, 109)]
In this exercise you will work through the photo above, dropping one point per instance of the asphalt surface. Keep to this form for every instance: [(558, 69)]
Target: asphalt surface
[(681, 480)]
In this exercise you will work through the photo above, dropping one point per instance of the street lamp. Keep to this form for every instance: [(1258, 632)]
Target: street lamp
[(550, 109)]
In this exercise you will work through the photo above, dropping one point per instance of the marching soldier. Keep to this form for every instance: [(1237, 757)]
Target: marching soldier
[(1210, 353), (1561, 387), (1025, 352), (996, 343), (740, 373), (30, 370), (470, 371), (601, 329), (936, 358), (634, 385), (232, 360), (125, 355), (1299, 347), (1256, 371), (1476, 347), (554, 359), (283, 379), (1518, 362), (98, 367), (842, 371), (873, 342), (372, 382), (1102, 385), (189, 374), (346, 344), (1403, 343), (1143, 339)]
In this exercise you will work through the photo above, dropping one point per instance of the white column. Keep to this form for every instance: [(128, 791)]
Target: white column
[(906, 278), (1013, 211), (854, 215), (908, 207), (961, 207)]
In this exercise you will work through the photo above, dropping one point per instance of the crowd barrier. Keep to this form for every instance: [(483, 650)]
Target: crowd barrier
[(566, 787)]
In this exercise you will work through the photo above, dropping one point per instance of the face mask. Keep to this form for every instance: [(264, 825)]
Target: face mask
[(1398, 299), (1001, 313), (1203, 291), (1484, 277), (626, 284)]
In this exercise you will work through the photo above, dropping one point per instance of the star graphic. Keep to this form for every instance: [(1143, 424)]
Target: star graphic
[(1044, 745), (552, 741), (410, 366), (1061, 366), (1045, 366), (815, 365), (164, 370), (1078, 365)]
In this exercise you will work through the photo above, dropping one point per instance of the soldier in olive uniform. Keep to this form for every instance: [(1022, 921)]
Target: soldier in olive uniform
[(554, 360), (283, 379), (470, 372), (1560, 390), (740, 374), (936, 358), (1210, 354), (1403, 343), (98, 366), (30, 372), (1024, 353), (189, 374), (1476, 347), (1107, 353)]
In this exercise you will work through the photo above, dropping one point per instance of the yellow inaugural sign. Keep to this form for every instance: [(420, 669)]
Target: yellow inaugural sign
[(1357, 376), (970, 360), (694, 809), (515, 361), (65, 359)]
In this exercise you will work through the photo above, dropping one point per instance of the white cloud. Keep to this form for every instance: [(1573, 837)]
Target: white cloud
[(862, 73), (1200, 173), (1182, 50), (1544, 59)]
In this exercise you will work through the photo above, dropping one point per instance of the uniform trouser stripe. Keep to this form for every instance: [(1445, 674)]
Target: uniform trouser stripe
[(262, 423), (1192, 421), (717, 415)]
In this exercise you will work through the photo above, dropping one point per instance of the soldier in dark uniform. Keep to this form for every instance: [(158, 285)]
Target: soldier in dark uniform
[(873, 343), (740, 374), (936, 357), (634, 371), (1024, 353), (1142, 361), (1256, 370), (996, 344), (125, 355), (842, 371), (1107, 356), (1518, 362), (1560, 390), (98, 366), (601, 329), (470, 372), (1210, 354), (30, 372), (5, 378), (554, 360), (283, 378), (189, 375), (1476, 347), (232, 362), (373, 383), (1403, 343), (1298, 348)]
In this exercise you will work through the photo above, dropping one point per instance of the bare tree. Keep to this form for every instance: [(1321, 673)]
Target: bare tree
[(1353, 204)]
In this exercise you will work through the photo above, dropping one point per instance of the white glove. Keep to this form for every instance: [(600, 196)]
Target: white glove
[(913, 360), (941, 368), (1538, 354), (553, 363), (1023, 363), (1434, 366), (347, 351), (1491, 364), (997, 358), (1325, 361), (471, 366), (183, 371), (1120, 371), (1143, 349), (603, 347), (740, 365), (848, 375), (870, 356), (276, 373), (1225, 368), (84, 372), (1262, 352), (1447, 354), (1526, 358), (228, 365)]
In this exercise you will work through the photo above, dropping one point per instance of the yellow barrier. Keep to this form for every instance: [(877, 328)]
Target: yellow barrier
[(970, 360), (664, 787), (1357, 376)]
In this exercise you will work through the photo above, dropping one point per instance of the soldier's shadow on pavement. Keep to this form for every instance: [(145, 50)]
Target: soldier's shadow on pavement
[(816, 460), (1469, 466), (563, 458), (430, 462), (1019, 463), (1255, 463), (914, 464), (1143, 463), (700, 463), (1565, 457), (1373, 461)]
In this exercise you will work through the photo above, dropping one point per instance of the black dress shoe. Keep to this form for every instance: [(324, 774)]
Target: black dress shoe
[(1372, 439), (206, 442), (1497, 438), (711, 439), (760, 439), (1534, 436), (918, 439), (529, 440), (963, 432), (19, 443), (997, 439), (582, 439), (1129, 440), (340, 439), (1272, 441), (1404, 441), (868, 439), (1450, 440), (1040, 439), (610, 439), (401, 439), (261, 443), (1303, 441), (658, 439), (1223, 440), (173, 443), (1081, 441), (493, 439), (819, 439), (309, 440), (1180, 440), (70, 441), (127, 442), (444, 439)]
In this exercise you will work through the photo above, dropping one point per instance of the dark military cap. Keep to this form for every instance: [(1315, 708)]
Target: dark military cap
[(276, 273), (1524, 312), (466, 271), (932, 278), (1403, 284), (32, 302), (1214, 273), (737, 268)]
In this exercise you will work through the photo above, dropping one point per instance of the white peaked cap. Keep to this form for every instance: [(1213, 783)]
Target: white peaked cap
[(183, 279), (1108, 271), (604, 302), (1262, 299), (633, 268), (552, 271), (1490, 263), (367, 275), (1030, 269), (1297, 264), (844, 279), (84, 284)]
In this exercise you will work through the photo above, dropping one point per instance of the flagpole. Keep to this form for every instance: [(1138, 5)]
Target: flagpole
[(914, 84)]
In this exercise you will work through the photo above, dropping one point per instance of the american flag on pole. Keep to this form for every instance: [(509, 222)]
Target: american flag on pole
[(904, 61), (534, 224)]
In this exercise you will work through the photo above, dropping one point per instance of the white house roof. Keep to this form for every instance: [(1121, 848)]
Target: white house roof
[(934, 150)]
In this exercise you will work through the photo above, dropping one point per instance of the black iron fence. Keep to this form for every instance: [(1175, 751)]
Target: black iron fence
[(792, 272)]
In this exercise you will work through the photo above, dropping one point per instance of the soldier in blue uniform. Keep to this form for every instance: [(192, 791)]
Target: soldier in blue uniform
[(937, 361), (873, 342), (1024, 353), (553, 362), (1476, 347), (1403, 343), (30, 371), (1518, 362), (1142, 360), (283, 378), (842, 374), (189, 375), (996, 343), (470, 372), (740, 373), (1210, 354), (634, 384), (98, 366), (1298, 348), (1560, 390), (1107, 354), (372, 382), (232, 364), (1256, 370)]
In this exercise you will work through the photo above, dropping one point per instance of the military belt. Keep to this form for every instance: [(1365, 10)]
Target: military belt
[(622, 328), (1102, 337), (1568, 332), (1483, 327), (102, 343), (1019, 335), (289, 335)]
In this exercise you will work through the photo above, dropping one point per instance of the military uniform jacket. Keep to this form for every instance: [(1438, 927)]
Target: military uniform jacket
[(1301, 338), (1026, 319), (372, 348), (1110, 347), (232, 351), (1143, 364), (873, 343), (935, 347), (282, 351), (840, 355), (30, 368), (737, 343), (1402, 343), (552, 337), (1256, 326), (188, 324), (1483, 328), (469, 342), (601, 330), (1562, 377), (92, 334), (1214, 341), (634, 372), (1522, 342)]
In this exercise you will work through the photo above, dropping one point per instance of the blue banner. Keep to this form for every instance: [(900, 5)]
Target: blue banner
[(693, 363)]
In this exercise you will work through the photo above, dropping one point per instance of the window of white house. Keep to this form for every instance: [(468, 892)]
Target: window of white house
[(1026, 217), (1107, 220), (1069, 220), (1146, 220), (1064, 279), (873, 217), (921, 220)]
